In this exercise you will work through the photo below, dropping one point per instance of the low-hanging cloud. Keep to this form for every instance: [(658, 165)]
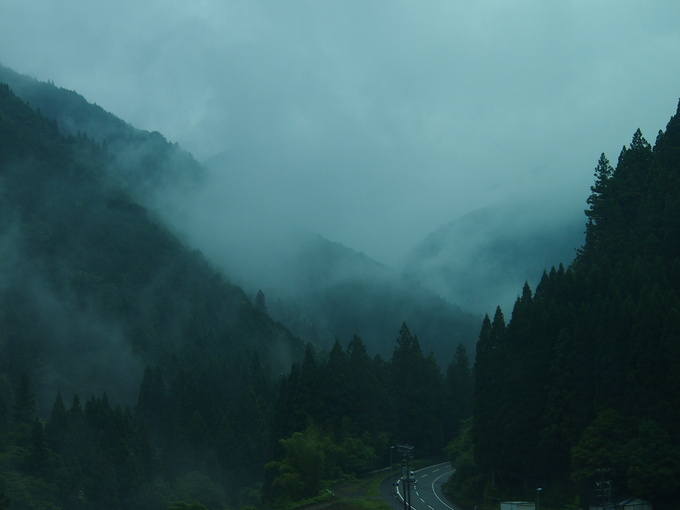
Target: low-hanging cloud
[(375, 123), (73, 348)]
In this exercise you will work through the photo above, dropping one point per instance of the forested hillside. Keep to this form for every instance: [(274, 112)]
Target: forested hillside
[(102, 308), (134, 375), (336, 292), (319, 289), (339, 416), (579, 393), (144, 163)]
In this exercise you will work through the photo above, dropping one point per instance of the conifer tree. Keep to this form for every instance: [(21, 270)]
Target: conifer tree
[(489, 371), (152, 402), (24, 402), (369, 403), (260, 301), (584, 375), (459, 390), (417, 389)]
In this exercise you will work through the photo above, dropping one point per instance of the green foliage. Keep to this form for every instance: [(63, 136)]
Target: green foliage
[(307, 461), (583, 379), (23, 491), (602, 444), (181, 505), (466, 483), (654, 462), (195, 486), (95, 290), (94, 254), (338, 414), (459, 388), (4, 501), (101, 297)]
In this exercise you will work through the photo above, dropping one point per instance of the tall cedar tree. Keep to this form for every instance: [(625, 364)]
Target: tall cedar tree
[(583, 379)]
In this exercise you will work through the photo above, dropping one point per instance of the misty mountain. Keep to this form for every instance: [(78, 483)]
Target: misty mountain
[(585, 372), (144, 163), (319, 288), (346, 293), (483, 259), (99, 299), (94, 288)]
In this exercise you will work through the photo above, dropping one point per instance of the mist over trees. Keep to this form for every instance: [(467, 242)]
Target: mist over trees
[(101, 302), (133, 374), (345, 411), (482, 259), (317, 288), (580, 386)]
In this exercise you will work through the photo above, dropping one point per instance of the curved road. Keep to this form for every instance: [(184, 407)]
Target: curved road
[(426, 495)]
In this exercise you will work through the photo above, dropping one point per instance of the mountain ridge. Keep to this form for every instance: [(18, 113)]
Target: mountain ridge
[(99, 257), (304, 277)]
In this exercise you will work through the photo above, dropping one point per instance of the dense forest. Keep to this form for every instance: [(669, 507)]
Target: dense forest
[(99, 300), (135, 375), (339, 415), (579, 392), (319, 289)]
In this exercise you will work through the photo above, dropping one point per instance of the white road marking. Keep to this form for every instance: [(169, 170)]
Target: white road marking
[(447, 472), (435, 492)]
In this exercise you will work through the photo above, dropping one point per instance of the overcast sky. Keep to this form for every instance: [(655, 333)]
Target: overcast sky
[(374, 121)]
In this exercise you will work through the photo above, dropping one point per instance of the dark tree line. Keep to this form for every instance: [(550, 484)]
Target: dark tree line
[(339, 414), (188, 438), (187, 406), (92, 291), (185, 440), (582, 384)]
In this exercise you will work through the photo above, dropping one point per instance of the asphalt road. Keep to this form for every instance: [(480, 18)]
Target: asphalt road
[(426, 495)]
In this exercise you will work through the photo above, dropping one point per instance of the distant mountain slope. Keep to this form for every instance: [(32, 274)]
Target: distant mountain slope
[(482, 259), (320, 289), (92, 289), (144, 162), (340, 293)]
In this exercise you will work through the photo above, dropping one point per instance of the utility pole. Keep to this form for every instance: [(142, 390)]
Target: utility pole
[(406, 452), (604, 489), (392, 471)]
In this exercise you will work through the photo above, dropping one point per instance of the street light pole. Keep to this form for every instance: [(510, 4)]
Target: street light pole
[(392, 469), (406, 453), (538, 493)]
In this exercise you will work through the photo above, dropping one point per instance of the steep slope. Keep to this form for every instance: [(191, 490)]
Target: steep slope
[(586, 370), (143, 162), (339, 293), (93, 288), (318, 288), (321, 289)]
